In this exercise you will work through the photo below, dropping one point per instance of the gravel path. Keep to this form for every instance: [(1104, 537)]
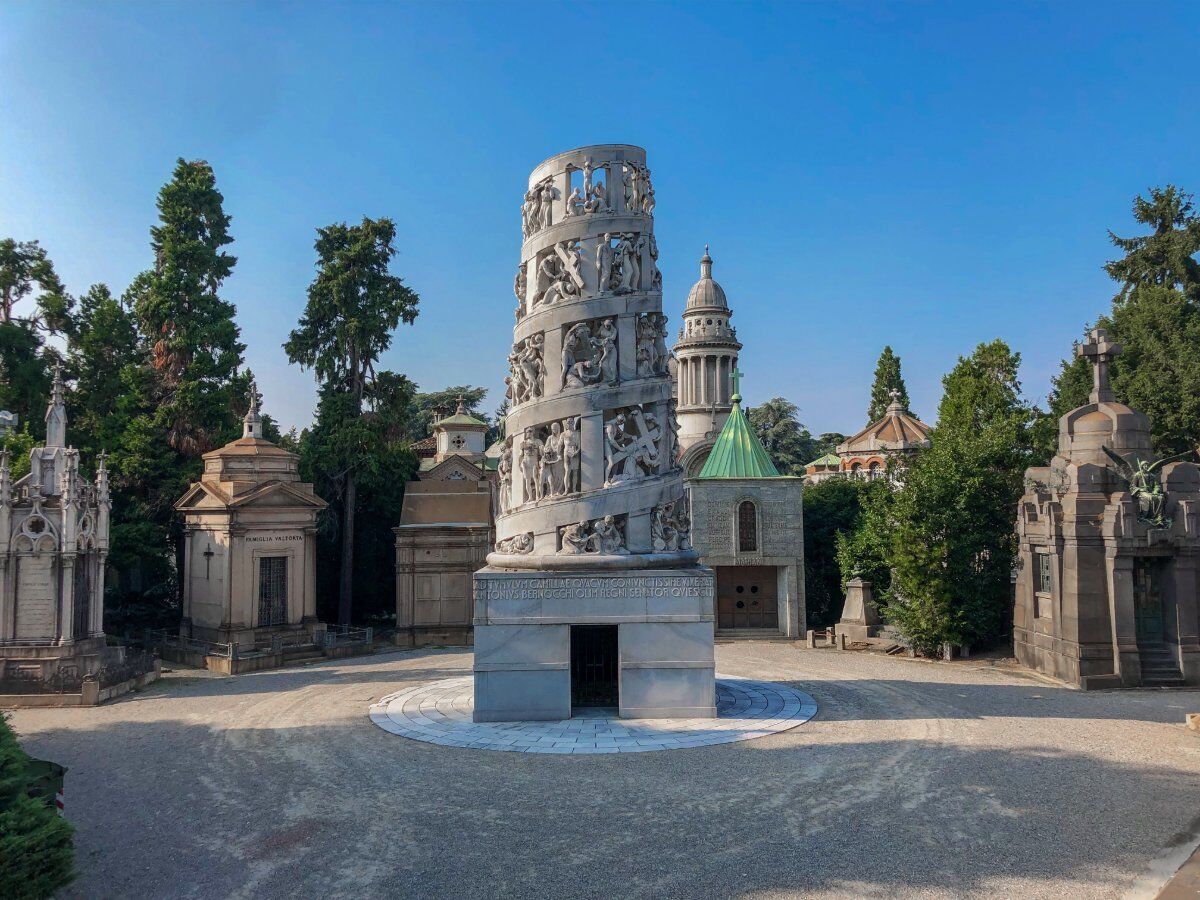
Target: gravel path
[(914, 779)]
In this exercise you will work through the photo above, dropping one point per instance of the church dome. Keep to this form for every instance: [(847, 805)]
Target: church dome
[(706, 292)]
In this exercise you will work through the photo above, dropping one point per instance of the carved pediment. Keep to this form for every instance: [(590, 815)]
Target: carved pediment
[(453, 468)]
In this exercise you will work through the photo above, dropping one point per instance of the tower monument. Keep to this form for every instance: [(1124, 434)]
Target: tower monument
[(593, 595), (706, 354)]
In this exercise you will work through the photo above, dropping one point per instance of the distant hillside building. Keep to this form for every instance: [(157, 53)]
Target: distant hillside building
[(865, 455)]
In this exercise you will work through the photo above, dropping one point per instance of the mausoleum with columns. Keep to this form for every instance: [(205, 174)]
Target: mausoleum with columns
[(250, 552)]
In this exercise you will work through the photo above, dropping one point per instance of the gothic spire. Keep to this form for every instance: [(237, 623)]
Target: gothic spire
[(56, 413), (252, 423)]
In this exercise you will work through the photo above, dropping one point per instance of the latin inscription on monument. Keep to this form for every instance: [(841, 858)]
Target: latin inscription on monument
[(576, 587), (35, 598)]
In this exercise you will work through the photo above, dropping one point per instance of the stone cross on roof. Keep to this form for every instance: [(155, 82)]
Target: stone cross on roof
[(1100, 351), (736, 376)]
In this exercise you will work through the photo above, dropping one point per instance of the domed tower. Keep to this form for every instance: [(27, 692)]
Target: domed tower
[(706, 354), (590, 486)]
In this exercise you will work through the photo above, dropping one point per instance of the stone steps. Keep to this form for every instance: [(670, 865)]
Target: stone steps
[(750, 634), (1160, 668)]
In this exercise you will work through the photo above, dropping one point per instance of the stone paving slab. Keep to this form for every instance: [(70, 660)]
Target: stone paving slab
[(440, 713)]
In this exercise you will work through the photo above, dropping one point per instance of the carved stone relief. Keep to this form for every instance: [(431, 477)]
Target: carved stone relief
[(559, 274), (550, 460), (631, 449), (520, 285), (528, 377), (504, 471), (589, 353), (518, 543), (671, 526), (652, 355), (600, 537), (537, 208)]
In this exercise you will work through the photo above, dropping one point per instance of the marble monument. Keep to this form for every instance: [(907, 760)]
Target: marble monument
[(592, 595)]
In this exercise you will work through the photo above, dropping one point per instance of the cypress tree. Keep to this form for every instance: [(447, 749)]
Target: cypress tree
[(887, 379)]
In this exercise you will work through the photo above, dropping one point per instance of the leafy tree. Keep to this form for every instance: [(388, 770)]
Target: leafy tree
[(382, 462), (23, 267), (1156, 318), (952, 544), (887, 379), (25, 364), (784, 438), (103, 347), (26, 272), (429, 407), (831, 508), (865, 551), (36, 851), (354, 304), (19, 443)]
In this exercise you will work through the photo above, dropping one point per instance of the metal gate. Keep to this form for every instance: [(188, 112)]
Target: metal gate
[(272, 590), (1147, 599), (594, 665)]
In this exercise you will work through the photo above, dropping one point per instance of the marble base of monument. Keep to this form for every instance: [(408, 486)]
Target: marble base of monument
[(523, 624)]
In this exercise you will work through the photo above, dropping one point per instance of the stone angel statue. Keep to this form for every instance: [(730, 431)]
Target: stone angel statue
[(1142, 477)]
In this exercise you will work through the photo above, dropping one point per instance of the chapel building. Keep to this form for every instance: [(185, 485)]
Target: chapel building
[(748, 526)]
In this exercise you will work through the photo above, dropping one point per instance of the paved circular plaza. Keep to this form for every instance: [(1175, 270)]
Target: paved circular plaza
[(440, 713)]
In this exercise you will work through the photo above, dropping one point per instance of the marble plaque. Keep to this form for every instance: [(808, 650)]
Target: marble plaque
[(36, 598)]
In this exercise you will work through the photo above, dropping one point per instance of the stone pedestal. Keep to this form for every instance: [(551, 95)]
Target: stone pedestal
[(523, 623), (860, 617)]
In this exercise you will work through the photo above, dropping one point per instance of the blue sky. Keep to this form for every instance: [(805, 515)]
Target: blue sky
[(924, 175)]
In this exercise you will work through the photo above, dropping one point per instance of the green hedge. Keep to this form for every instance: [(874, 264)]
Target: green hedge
[(36, 851)]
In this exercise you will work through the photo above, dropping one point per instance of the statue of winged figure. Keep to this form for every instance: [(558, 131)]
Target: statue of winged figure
[(1145, 485)]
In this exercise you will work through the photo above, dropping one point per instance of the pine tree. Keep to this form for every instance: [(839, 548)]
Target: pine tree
[(354, 305), (36, 851), (194, 345), (102, 348), (184, 395), (887, 379), (952, 542)]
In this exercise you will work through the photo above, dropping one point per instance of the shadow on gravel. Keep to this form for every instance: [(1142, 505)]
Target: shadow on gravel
[(342, 809), (842, 701), (374, 670)]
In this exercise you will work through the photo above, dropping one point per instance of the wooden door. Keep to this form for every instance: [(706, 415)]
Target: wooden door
[(747, 597)]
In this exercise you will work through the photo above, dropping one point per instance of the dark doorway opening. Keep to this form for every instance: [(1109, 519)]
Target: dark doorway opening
[(594, 665)]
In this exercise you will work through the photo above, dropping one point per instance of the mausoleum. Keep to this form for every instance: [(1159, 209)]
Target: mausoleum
[(250, 554), (593, 595), (53, 544), (445, 533), (1107, 593)]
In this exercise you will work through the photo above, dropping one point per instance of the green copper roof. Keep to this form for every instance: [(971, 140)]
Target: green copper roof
[(738, 453), (829, 459), (461, 419)]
